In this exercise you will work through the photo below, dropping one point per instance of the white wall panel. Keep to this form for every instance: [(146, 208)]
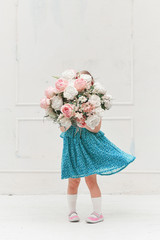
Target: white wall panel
[(54, 35), (147, 83), (118, 42), (37, 148)]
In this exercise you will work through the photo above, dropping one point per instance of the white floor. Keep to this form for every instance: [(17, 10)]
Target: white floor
[(45, 217)]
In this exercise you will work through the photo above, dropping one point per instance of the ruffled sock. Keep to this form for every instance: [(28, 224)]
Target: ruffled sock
[(72, 199), (97, 202)]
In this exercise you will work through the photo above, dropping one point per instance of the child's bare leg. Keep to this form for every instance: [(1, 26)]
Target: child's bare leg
[(92, 184), (73, 184)]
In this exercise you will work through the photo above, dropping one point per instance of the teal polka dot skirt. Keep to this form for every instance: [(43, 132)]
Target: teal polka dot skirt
[(86, 153)]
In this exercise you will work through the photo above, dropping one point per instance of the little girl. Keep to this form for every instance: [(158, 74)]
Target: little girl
[(86, 153)]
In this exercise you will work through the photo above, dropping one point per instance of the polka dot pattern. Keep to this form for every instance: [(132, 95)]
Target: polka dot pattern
[(86, 153)]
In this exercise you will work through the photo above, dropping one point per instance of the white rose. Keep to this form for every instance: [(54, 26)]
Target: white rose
[(78, 115), (57, 102), (77, 108), (69, 74), (95, 100), (93, 121), (98, 88), (82, 99), (70, 92), (66, 122)]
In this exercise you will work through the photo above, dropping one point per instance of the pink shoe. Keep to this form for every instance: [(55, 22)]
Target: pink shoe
[(94, 218), (73, 217)]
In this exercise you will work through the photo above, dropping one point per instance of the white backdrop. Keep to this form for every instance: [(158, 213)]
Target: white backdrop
[(118, 42)]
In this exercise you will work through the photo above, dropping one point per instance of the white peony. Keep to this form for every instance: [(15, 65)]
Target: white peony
[(95, 100), (57, 102), (99, 111), (107, 101), (69, 74), (93, 121), (107, 97), (70, 92), (98, 88), (71, 82), (107, 104), (65, 122)]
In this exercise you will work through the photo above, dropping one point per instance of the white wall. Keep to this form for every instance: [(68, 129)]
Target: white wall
[(118, 42)]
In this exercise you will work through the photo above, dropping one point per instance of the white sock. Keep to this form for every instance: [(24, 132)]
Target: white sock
[(72, 199), (97, 202)]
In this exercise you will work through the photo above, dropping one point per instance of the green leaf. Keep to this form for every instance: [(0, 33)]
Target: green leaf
[(56, 77)]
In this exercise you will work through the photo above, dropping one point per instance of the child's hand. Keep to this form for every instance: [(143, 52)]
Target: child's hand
[(63, 129)]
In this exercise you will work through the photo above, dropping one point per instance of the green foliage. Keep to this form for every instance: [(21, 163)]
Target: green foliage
[(58, 111), (103, 106)]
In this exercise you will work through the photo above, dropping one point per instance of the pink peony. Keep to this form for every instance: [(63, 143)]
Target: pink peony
[(80, 84), (50, 92), (67, 110), (61, 84), (44, 103)]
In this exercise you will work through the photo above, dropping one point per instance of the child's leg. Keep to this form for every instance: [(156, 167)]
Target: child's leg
[(73, 184), (95, 192)]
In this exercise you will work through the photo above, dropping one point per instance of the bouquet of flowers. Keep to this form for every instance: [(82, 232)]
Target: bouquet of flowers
[(77, 99)]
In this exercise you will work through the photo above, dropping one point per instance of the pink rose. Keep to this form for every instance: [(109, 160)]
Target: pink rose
[(80, 84), (50, 92), (67, 110), (44, 103), (87, 107), (61, 84), (81, 121)]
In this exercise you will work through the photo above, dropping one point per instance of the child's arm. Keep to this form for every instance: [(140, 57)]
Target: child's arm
[(63, 129), (97, 128)]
